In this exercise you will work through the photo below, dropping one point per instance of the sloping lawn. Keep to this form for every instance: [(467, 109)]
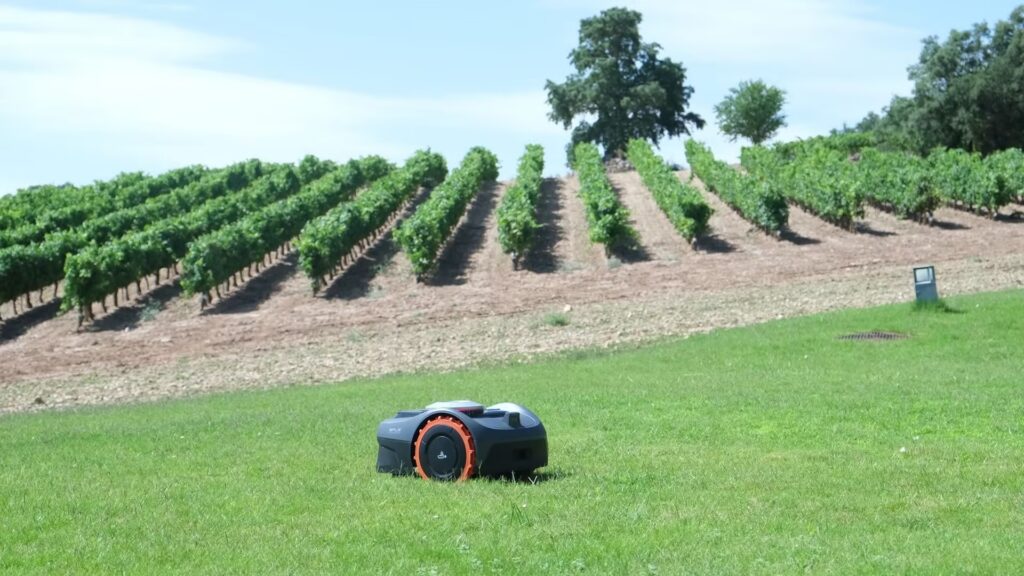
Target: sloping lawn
[(775, 449)]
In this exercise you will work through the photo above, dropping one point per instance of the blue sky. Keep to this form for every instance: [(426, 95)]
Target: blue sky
[(89, 88)]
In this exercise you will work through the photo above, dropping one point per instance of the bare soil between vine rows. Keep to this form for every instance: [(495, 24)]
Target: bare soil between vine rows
[(375, 319)]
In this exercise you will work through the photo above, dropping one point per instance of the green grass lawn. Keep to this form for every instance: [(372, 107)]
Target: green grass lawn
[(774, 449)]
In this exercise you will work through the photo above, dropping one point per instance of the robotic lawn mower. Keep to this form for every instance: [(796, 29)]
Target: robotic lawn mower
[(461, 439)]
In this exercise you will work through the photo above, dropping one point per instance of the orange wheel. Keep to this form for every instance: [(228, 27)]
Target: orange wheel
[(444, 450)]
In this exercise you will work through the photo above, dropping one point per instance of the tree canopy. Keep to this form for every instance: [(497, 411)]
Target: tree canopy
[(621, 89), (752, 110), (968, 93)]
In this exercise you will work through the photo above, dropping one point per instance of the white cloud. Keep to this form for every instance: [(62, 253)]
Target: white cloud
[(62, 39), (103, 93), (795, 33), (141, 93), (749, 32), (136, 4)]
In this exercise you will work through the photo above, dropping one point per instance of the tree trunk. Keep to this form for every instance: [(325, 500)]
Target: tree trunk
[(15, 304), (104, 304), (115, 298), (28, 301), (217, 290)]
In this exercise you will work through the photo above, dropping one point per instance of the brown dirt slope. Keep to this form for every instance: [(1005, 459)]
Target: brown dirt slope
[(376, 319)]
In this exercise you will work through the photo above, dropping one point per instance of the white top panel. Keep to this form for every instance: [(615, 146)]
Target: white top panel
[(461, 405)]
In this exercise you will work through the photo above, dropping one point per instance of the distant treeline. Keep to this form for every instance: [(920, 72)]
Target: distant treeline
[(968, 93)]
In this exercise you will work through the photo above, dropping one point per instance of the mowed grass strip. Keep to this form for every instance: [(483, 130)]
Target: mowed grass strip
[(773, 449)]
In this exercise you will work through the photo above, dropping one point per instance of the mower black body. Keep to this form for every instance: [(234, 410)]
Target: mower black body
[(507, 438)]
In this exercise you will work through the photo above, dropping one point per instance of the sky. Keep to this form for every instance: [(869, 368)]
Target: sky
[(91, 88)]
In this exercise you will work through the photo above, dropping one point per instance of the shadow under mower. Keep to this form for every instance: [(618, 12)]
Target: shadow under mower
[(461, 439)]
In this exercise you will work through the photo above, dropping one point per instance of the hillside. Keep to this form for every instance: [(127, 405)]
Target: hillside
[(376, 319)]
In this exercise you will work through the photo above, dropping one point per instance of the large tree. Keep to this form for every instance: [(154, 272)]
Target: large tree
[(621, 89), (752, 110)]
